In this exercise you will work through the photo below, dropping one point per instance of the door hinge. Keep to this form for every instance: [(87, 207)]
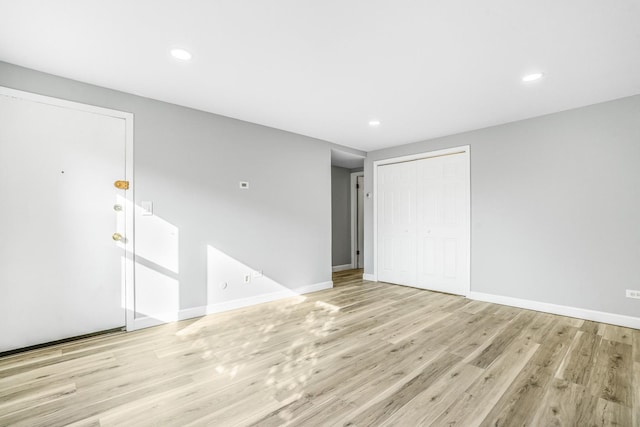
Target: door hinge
[(357, 185), (357, 252), (121, 185)]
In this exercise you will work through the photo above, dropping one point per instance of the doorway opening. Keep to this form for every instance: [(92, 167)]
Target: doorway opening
[(346, 165)]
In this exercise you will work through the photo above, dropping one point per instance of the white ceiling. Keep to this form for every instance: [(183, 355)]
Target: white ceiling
[(324, 68)]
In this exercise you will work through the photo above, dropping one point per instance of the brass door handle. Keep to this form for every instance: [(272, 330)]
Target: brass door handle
[(117, 237), (121, 185)]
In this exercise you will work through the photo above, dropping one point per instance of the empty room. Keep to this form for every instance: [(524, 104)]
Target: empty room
[(320, 213)]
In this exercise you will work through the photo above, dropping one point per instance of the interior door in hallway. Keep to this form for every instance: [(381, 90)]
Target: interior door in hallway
[(61, 270), (360, 223)]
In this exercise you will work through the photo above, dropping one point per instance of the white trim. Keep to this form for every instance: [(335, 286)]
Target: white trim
[(354, 217), (563, 310), (316, 287), (49, 100), (259, 299), (129, 244), (466, 150), (342, 267), (189, 313), (424, 155), (147, 322), (370, 277), (129, 225)]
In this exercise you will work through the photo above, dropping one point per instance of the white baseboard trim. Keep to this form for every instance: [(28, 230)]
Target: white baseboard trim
[(314, 288), (370, 277), (563, 310), (259, 299), (342, 267), (162, 318), (189, 313), (146, 322)]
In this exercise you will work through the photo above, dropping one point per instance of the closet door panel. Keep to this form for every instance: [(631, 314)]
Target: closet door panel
[(442, 223), (396, 207)]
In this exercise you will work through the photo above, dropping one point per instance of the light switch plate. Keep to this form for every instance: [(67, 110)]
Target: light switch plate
[(147, 207), (631, 293)]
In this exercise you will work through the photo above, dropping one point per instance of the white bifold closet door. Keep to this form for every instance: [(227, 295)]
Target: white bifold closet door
[(423, 223), (397, 223)]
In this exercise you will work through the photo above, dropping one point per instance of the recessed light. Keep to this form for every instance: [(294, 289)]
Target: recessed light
[(374, 123), (532, 77), (181, 54)]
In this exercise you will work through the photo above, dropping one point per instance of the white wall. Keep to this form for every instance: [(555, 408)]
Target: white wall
[(189, 163), (555, 204)]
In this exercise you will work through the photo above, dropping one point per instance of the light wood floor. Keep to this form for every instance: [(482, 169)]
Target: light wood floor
[(361, 354)]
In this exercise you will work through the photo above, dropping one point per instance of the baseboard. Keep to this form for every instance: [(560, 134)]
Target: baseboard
[(314, 288), (189, 313), (246, 302), (563, 310), (342, 267), (161, 319), (145, 322), (259, 299), (370, 277)]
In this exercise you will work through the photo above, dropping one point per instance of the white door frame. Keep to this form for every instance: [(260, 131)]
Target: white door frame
[(354, 217), (425, 155), (128, 264)]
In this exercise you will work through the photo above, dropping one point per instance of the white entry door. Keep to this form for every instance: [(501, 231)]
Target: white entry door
[(423, 223), (61, 271)]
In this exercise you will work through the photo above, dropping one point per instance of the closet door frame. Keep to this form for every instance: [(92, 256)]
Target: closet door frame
[(463, 150)]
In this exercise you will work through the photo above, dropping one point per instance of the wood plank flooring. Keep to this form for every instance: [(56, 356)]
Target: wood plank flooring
[(361, 354)]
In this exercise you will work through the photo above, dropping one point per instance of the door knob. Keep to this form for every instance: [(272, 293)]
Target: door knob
[(117, 237), (117, 208)]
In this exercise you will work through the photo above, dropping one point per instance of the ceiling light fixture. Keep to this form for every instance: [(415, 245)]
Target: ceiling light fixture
[(374, 123), (532, 77), (181, 54)]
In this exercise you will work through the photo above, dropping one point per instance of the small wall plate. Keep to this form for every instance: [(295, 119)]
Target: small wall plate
[(147, 207)]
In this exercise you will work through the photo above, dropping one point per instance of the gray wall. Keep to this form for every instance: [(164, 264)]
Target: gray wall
[(340, 216), (555, 204), (189, 164)]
